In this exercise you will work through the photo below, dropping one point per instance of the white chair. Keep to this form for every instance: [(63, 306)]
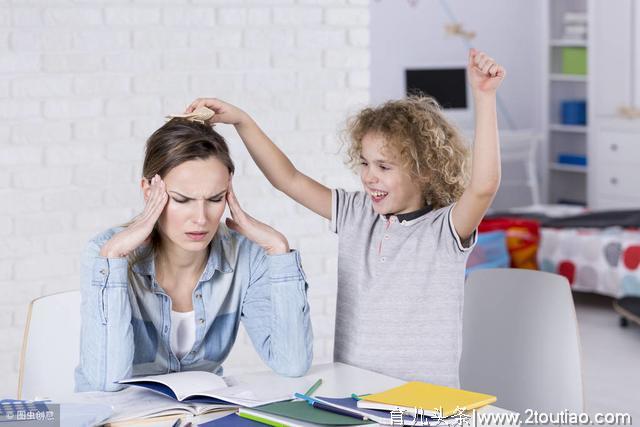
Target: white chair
[(520, 340), (51, 347), (519, 183)]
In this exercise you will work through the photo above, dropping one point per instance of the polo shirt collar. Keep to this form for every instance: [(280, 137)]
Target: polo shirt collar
[(410, 216)]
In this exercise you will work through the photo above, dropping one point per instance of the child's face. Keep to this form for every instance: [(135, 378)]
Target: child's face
[(391, 188)]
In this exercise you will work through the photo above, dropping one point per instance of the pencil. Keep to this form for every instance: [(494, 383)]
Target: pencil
[(314, 387), (338, 411)]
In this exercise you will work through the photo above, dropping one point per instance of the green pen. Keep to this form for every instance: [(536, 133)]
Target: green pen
[(314, 387)]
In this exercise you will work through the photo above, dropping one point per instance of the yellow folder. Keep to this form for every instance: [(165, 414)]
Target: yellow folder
[(430, 398)]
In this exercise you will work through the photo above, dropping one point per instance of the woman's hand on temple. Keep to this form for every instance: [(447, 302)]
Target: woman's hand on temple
[(139, 230), (271, 240), (225, 112)]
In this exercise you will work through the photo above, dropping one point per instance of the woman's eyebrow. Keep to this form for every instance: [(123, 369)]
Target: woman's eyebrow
[(191, 198)]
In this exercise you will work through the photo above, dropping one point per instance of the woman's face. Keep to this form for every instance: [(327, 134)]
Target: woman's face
[(196, 202)]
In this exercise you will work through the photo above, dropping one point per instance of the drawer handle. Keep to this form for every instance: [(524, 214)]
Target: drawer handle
[(614, 180), (614, 147)]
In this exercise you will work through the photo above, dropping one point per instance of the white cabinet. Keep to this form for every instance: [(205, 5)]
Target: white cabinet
[(614, 147), (615, 169), (613, 51)]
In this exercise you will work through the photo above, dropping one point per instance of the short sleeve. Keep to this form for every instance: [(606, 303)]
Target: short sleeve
[(345, 206), (466, 245)]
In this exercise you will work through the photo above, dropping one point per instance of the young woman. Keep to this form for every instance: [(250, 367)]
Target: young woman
[(167, 291)]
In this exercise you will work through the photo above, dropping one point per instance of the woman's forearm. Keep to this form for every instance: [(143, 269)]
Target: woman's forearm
[(106, 343)]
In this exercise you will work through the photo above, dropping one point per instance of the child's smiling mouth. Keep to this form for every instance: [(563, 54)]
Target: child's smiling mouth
[(377, 195)]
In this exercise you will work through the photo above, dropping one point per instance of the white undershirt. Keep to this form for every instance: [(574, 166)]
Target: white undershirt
[(183, 332)]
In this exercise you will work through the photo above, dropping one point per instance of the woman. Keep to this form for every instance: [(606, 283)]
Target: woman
[(166, 292)]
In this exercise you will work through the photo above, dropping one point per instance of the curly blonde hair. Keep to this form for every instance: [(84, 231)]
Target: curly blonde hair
[(429, 147)]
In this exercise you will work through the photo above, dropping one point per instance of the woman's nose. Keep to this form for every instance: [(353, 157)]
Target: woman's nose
[(200, 215)]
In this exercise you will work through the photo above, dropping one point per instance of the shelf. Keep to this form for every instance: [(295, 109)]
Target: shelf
[(561, 167), (568, 43), (568, 128), (568, 78)]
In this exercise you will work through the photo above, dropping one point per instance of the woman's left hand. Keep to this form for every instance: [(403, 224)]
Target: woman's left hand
[(271, 240)]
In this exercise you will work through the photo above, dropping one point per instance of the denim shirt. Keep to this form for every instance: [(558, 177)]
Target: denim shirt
[(126, 315)]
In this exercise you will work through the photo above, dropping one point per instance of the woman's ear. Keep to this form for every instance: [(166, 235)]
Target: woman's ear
[(146, 188)]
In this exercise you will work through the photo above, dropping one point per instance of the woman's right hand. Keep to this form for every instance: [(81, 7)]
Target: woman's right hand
[(225, 112), (138, 232)]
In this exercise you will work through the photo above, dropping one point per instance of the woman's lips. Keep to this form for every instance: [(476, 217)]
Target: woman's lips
[(196, 236)]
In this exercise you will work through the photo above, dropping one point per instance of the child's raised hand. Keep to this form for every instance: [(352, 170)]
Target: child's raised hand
[(225, 112), (485, 74)]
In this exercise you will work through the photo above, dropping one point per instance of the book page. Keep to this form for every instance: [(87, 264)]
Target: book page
[(133, 402), (185, 383)]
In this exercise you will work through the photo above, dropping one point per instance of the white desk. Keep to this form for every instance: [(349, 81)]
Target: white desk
[(338, 380)]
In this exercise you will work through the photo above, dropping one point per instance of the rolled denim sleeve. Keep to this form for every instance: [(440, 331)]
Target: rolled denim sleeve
[(106, 339), (275, 312)]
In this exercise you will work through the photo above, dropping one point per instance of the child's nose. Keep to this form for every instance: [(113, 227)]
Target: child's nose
[(370, 176)]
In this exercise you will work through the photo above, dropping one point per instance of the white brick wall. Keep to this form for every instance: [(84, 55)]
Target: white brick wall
[(82, 84)]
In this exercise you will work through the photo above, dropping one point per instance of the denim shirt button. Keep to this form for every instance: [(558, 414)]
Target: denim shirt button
[(166, 329), (103, 271), (198, 296), (201, 321)]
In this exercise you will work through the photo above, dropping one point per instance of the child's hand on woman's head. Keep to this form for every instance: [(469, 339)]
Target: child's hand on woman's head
[(485, 74), (225, 112), (271, 240), (139, 230)]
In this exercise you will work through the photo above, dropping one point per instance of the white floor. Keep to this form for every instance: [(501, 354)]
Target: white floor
[(611, 358)]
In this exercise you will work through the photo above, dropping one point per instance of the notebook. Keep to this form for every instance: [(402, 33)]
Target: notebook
[(209, 388), (302, 411), (434, 400), (384, 417)]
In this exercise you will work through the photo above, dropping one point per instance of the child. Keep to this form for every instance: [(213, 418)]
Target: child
[(405, 239)]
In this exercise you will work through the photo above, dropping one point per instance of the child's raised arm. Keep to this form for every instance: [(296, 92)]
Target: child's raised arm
[(485, 76), (273, 163)]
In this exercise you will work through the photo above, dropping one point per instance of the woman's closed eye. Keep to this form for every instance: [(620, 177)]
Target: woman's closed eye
[(213, 200)]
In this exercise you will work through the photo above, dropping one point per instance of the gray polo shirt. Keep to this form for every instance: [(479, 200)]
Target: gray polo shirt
[(400, 291)]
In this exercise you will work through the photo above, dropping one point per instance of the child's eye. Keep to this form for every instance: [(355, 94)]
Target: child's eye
[(216, 200), (384, 168), (363, 163), (179, 200)]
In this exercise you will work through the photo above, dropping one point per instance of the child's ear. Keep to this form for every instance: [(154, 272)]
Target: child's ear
[(146, 188)]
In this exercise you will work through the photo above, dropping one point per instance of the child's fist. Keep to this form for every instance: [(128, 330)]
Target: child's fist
[(485, 74)]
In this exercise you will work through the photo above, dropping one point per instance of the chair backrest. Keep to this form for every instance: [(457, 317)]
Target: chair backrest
[(51, 347), (519, 157), (520, 340)]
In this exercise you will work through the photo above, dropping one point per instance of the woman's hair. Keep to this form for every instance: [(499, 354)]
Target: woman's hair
[(178, 141), (429, 147)]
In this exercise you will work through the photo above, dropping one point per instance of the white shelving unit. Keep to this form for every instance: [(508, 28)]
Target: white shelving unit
[(564, 183)]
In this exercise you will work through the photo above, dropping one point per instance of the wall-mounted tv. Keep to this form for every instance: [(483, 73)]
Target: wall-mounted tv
[(447, 85)]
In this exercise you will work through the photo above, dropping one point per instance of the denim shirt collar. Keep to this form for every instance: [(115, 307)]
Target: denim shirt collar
[(219, 252)]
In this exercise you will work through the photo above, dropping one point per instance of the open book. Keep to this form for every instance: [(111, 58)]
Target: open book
[(207, 388), (135, 403)]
